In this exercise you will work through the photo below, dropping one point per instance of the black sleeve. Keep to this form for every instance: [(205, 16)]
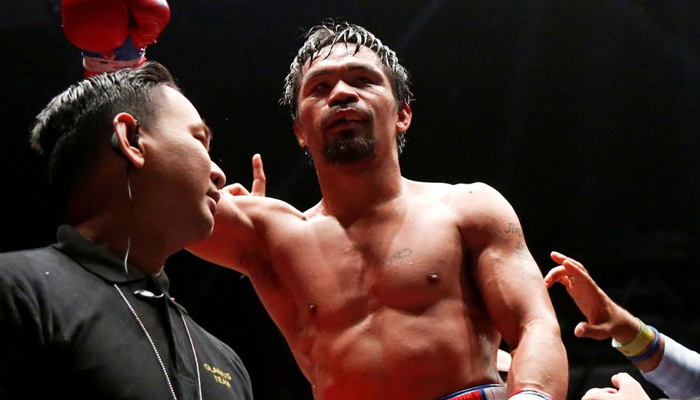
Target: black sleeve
[(20, 337)]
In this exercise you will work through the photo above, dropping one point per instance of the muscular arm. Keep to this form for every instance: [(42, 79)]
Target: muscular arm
[(234, 240), (241, 223), (514, 293)]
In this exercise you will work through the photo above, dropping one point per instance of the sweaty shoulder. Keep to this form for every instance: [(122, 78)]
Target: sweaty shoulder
[(457, 195), (479, 196), (474, 205), (241, 223), (265, 208)]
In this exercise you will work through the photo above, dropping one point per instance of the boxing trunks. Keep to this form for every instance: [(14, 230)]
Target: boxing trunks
[(483, 392)]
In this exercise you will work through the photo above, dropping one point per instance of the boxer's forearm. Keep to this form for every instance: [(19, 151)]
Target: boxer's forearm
[(540, 362)]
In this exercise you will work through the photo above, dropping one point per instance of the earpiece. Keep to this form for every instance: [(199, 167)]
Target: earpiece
[(133, 141), (115, 144)]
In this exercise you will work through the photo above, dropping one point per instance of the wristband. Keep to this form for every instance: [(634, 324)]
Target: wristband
[(645, 337), (648, 353), (96, 65), (530, 394)]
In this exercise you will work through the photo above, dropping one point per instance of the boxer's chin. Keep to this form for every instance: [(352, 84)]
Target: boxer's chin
[(350, 150)]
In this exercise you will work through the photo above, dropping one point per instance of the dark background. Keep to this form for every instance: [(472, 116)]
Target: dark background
[(584, 114)]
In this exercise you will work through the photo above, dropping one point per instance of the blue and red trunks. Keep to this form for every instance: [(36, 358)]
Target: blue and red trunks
[(483, 392)]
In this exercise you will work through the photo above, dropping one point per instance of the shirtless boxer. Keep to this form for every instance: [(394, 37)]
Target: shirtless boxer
[(388, 288)]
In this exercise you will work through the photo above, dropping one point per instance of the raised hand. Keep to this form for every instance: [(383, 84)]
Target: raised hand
[(259, 181), (605, 318), (627, 389)]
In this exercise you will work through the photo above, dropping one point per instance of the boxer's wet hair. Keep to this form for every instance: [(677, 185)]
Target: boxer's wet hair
[(331, 33), (76, 123)]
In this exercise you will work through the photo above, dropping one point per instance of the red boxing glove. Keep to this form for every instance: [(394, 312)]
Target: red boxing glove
[(113, 34), (98, 26), (149, 19)]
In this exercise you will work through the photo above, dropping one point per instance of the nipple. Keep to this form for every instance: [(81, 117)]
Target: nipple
[(433, 277)]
